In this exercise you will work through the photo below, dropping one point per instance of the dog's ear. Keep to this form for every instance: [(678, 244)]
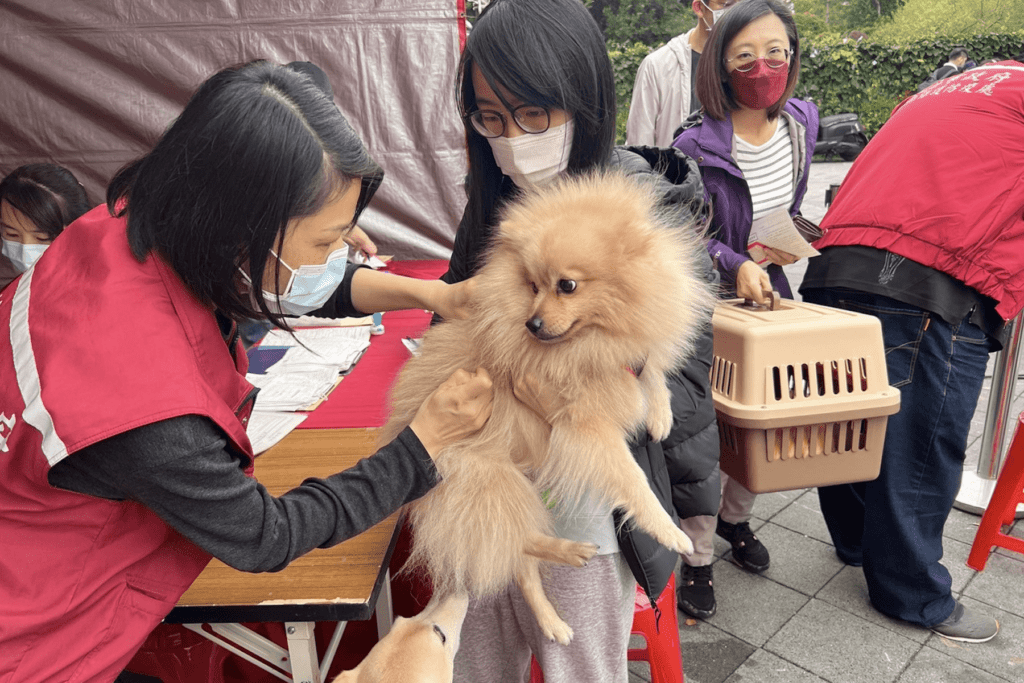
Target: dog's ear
[(347, 676)]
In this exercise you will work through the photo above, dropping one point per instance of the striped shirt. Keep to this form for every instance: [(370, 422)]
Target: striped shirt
[(768, 170)]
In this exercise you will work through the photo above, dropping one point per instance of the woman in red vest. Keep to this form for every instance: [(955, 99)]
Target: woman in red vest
[(123, 400)]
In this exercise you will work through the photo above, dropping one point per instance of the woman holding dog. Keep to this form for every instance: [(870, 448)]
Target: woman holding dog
[(123, 399), (753, 142), (536, 91)]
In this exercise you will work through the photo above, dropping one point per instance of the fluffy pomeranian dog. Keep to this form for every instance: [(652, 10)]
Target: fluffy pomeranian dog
[(594, 290)]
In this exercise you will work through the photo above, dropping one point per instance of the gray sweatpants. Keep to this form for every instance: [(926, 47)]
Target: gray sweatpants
[(500, 632), (737, 503)]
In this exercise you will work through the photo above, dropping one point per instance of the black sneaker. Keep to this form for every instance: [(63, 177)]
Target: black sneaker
[(747, 552), (695, 594)]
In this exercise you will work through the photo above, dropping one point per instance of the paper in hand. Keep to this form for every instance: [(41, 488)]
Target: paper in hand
[(776, 231)]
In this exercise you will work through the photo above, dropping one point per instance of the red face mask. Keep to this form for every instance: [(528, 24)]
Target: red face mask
[(761, 87)]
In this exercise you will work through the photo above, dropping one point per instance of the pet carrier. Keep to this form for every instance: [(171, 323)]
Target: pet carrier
[(802, 394)]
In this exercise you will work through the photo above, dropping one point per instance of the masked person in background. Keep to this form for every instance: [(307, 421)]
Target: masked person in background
[(537, 95), (37, 201), (753, 143), (663, 93)]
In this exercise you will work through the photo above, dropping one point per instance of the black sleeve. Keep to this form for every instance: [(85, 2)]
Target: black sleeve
[(470, 243), (183, 470), (340, 303), (465, 252)]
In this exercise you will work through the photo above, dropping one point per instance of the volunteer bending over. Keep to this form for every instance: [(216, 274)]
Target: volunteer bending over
[(124, 461)]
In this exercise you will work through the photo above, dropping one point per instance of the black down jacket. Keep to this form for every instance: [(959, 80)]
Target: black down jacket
[(682, 470)]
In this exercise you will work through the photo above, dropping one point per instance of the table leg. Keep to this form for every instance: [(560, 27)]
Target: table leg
[(385, 608), (302, 648), (248, 645)]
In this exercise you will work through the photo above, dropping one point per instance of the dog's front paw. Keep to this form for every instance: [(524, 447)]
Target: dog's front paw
[(557, 630), (675, 540), (578, 554), (659, 420), (681, 543)]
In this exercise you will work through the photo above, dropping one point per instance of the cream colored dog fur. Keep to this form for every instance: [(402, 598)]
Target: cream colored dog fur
[(419, 649), (585, 280)]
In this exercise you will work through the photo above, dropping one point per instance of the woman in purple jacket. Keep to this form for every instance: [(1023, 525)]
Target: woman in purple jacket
[(753, 144)]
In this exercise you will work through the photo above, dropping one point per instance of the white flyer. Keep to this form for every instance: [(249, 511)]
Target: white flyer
[(776, 231)]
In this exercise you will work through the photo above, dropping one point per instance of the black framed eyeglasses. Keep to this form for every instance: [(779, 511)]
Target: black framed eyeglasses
[(492, 124), (776, 58)]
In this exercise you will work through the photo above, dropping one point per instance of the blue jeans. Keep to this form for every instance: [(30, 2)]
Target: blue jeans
[(893, 525)]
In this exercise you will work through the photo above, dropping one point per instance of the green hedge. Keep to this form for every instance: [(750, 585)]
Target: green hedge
[(625, 61), (865, 78), (870, 79)]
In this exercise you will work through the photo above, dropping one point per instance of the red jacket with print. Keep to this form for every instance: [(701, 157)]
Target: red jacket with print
[(942, 183)]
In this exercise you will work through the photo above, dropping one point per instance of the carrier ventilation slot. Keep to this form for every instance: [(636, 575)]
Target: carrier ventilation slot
[(729, 436), (722, 373), (794, 382), (806, 441)]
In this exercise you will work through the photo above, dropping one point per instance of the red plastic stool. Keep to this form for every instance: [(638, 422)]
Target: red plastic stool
[(1002, 507), (661, 645)]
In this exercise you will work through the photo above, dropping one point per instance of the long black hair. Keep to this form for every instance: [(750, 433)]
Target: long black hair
[(548, 53), (256, 146), (49, 195)]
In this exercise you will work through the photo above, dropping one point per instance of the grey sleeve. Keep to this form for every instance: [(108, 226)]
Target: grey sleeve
[(183, 470)]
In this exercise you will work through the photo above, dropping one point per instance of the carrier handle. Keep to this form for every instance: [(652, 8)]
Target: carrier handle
[(774, 301)]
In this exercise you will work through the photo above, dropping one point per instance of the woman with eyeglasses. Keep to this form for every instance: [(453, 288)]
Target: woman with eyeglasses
[(754, 143), (537, 94), (753, 140)]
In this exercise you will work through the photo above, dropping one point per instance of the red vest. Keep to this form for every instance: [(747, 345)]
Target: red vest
[(92, 344), (940, 184)]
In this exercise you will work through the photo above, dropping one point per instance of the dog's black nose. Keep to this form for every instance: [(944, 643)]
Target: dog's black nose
[(534, 324)]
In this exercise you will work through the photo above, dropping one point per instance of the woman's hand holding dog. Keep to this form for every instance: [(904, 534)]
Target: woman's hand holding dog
[(456, 409), (452, 302)]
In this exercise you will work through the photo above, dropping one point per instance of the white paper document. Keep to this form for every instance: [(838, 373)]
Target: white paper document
[(317, 335), (776, 231), (339, 357), (335, 347), (294, 390), (267, 428)]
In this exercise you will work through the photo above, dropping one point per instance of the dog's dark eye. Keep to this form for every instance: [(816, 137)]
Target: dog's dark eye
[(440, 634), (567, 286), (533, 286)]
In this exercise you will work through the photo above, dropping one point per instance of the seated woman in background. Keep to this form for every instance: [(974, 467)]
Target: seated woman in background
[(37, 201)]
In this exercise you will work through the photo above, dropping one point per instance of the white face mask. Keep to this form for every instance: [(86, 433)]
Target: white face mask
[(531, 160), (22, 256), (716, 14), (309, 287)]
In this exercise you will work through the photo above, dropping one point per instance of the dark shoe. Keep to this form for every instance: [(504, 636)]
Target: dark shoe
[(852, 561), (967, 626), (747, 552), (695, 594)]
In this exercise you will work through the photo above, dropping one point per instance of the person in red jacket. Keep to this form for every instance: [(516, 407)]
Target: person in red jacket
[(123, 400), (927, 234)]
